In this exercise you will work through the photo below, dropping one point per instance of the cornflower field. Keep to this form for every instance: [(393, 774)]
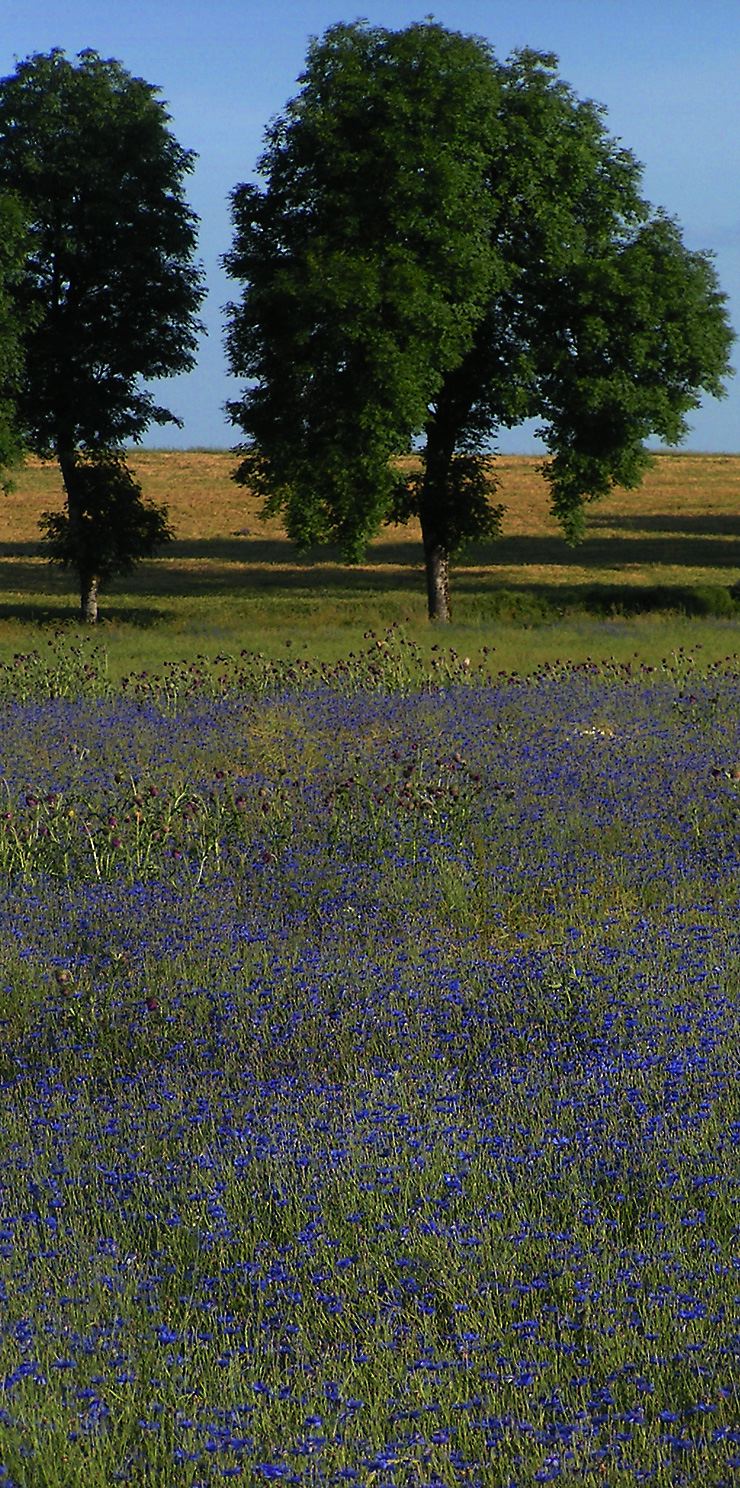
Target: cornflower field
[(368, 1071)]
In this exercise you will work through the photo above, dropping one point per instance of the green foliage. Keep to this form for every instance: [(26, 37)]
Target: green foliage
[(364, 278), (446, 245), (113, 528), (86, 148), (466, 512), (109, 288), (647, 334), (12, 257)]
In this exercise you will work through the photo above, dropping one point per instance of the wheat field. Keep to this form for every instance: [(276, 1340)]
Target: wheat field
[(665, 552)]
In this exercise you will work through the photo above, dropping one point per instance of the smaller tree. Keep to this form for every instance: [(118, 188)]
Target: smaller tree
[(109, 529), (111, 287)]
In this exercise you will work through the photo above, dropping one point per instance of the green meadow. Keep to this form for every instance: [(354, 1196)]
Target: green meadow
[(368, 1002)]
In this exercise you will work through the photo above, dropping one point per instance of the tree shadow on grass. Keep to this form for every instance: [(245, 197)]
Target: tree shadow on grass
[(242, 567), (715, 524), (20, 550), (52, 616), (600, 549), (605, 551), (690, 541), (540, 603)]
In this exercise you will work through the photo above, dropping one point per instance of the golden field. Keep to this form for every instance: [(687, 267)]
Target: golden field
[(682, 526), (230, 580)]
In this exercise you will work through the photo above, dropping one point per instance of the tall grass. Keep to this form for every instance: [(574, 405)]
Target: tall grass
[(367, 1067)]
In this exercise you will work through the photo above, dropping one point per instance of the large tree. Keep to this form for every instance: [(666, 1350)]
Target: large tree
[(13, 246), (110, 282), (443, 245)]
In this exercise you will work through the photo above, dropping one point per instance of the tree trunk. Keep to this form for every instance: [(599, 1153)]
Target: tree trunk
[(433, 516), (437, 563), (88, 582), (437, 514), (89, 598)]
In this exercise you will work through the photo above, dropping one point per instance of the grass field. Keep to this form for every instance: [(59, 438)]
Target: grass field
[(369, 1012), (368, 1085), (652, 560)]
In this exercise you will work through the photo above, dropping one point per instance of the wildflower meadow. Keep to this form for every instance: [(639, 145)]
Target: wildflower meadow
[(368, 1060)]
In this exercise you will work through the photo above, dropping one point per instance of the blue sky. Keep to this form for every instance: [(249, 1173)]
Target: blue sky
[(666, 70)]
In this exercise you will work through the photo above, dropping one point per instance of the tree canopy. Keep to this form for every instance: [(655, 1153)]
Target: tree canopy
[(110, 281), (443, 245), (13, 244)]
